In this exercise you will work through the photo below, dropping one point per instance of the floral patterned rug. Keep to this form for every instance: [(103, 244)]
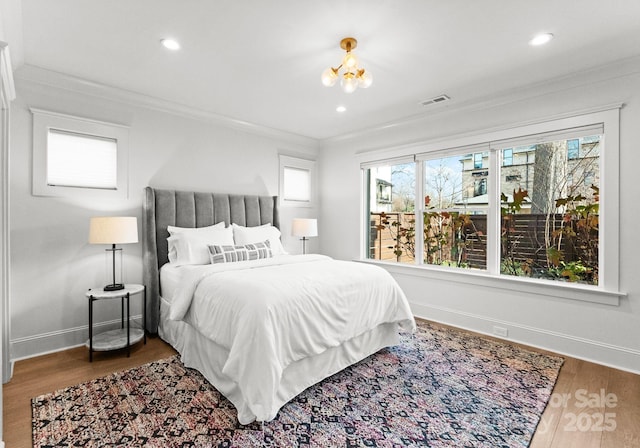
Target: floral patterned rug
[(438, 388)]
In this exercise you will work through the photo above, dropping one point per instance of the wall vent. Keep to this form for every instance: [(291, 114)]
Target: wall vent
[(435, 100)]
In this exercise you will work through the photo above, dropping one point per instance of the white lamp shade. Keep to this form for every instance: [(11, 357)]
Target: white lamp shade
[(304, 227), (113, 230)]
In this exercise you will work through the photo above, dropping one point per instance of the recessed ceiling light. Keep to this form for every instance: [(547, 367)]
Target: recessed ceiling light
[(341, 109), (541, 39), (170, 44)]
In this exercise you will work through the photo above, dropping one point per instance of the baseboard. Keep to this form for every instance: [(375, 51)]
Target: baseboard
[(609, 355), (55, 341)]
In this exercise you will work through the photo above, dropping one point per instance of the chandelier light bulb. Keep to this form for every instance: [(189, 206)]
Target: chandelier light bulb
[(349, 82), (364, 78), (330, 76), (353, 76), (350, 61)]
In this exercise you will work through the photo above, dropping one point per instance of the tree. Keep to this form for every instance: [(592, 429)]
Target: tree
[(557, 186), (403, 178), (443, 185), (550, 169)]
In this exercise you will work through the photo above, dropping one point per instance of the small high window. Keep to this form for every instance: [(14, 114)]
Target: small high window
[(297, 182), (81, 160), (74, 156)]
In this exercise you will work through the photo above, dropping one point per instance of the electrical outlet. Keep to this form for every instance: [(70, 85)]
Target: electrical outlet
[(500, 331)]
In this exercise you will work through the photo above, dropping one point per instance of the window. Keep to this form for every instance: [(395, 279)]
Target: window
[(573, 149), (507, 157), (297, 182), (390, 211), (454, 214), (480, 187), (80, 160), (550, 228), (540, 220), (384, 191), (477, 160), (78, 157), (297, 185), (589, 179)]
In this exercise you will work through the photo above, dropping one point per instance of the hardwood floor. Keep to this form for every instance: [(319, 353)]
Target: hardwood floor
[(592, 406)]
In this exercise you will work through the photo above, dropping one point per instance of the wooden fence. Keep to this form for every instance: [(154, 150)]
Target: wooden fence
[(527, 237)]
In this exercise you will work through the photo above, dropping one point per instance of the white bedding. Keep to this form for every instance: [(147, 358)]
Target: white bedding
[(269, 314), (170, 276)]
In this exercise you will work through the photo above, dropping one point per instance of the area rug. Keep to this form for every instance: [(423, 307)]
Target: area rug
[(439, 388)]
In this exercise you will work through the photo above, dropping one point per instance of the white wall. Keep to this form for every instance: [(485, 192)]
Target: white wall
[(52, 263), (603, 333)]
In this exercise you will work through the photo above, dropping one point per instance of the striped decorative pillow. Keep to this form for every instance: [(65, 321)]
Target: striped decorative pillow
[(230, 253)]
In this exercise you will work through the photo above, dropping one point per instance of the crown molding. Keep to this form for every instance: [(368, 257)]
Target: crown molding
[(42, 76), (625, 67), (49, 78), (387, 152)]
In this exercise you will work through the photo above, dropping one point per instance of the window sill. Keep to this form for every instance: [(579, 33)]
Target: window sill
[(548, 288)]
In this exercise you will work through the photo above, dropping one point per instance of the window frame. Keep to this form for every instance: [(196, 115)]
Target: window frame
[(297, 163), (607, 292), (44, 120)]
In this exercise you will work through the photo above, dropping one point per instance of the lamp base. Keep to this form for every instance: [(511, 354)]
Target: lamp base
[(114, 287)]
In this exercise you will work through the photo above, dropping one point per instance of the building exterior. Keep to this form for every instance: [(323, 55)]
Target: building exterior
[(576, 171)]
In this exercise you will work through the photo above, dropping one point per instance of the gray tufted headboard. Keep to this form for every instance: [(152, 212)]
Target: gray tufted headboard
[(164, 208)]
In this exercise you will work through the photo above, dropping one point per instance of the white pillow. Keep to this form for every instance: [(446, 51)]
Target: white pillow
[(191, 247), (251, 235), (173, 230)]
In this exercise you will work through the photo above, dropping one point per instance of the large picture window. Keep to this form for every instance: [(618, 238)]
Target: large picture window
[(528, 207)]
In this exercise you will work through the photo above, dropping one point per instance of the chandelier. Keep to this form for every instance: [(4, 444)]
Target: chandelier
[(353, 76)]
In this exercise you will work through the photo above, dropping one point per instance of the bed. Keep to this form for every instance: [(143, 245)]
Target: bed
[(264, 328)]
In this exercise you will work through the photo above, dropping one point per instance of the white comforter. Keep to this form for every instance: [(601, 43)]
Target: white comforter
[(269, 313)]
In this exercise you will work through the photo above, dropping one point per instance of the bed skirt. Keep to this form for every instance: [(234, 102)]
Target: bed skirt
[(208, 358)]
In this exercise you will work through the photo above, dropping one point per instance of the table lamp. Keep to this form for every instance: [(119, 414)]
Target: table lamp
[(113, 230), (305, 228)]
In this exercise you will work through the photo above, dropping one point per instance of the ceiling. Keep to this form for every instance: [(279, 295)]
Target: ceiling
[(260, 61)]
